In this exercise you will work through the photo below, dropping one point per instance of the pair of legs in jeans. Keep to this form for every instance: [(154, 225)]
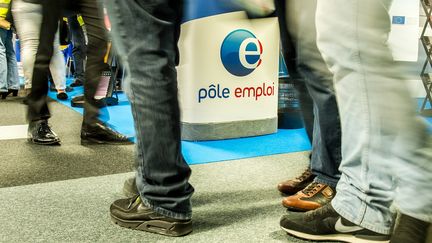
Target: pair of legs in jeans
[(386, 149), (28, 20), (316, 94), (146, 34), (9, 80)]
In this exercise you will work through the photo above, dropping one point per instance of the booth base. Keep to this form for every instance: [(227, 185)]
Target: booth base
[(218, 131)]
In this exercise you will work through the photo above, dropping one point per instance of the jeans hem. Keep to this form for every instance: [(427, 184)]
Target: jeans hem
[(166, 212), (327, 181), (344, 212)]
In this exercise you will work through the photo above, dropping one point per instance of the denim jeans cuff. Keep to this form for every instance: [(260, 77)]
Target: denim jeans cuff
[(345, 213), (327, 181), (166, 212)]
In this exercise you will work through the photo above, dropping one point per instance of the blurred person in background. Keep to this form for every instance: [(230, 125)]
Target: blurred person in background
[(28, 20), (79, 50), (315, 187), (93, 131), (386, 148), (9, 80)]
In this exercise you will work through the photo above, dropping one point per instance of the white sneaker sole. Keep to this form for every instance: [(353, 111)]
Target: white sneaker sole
[(333, 237)]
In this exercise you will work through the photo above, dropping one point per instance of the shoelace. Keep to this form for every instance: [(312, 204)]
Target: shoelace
[(45, 128), (312, 188), (307, 173), (134, 199)]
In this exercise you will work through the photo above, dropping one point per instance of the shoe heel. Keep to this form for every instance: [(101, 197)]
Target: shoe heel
[(15, 93)]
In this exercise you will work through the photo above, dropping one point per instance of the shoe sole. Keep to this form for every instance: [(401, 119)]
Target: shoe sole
[(301, 210), (30, 140), (174, 229), (331, 237), (98, 142)]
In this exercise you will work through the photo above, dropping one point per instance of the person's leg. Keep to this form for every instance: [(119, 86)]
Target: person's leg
[(38, 113), (162, 173), (383, 140), (79, 49), (298, 183), (28, 20), (3, 62), (57, 65), (92, 15), (326, 141), (93, 131), (12, 76), (37, 104)]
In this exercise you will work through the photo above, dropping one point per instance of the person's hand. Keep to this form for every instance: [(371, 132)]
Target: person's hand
[(259, 8), (4, 24)]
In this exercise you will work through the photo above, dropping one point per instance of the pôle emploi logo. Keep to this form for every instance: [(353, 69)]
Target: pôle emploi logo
[(241, 52), (240, 55)]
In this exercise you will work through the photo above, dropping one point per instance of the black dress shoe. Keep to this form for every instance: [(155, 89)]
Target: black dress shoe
[(77, 82), (99, 133), (39, 132), (14, 92), (62, 96)]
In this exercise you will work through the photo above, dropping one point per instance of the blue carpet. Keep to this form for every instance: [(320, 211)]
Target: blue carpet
[(284, 141)]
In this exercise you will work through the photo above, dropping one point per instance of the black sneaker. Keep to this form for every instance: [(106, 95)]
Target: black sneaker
[(131, 213), (410, 230), (326, 224), (39, 132)]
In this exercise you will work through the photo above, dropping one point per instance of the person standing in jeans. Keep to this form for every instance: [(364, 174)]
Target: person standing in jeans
[(146, 33), (79, 50), (93, 131), (386, 148), (316, 186)]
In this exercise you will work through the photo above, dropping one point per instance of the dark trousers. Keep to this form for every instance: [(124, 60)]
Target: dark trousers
[(97, 46), (79, 46), (146, 33)]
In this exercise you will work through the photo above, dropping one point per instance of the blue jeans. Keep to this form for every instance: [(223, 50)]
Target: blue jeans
[(386, 149), (310, 66), (146, 33), (8, 64)]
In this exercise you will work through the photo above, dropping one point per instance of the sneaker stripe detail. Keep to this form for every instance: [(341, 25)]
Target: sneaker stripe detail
[(339, 227)]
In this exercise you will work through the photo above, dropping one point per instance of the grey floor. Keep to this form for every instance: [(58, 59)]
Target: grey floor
[(63, 193)]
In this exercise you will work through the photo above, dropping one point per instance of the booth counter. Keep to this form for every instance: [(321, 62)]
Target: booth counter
[(228, 73)]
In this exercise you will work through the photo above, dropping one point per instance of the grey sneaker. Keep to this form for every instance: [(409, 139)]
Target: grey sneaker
[(133, 214), (326, 224)]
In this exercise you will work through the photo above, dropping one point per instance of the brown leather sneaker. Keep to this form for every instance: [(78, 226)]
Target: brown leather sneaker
[(314, 196), (292, 186)]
